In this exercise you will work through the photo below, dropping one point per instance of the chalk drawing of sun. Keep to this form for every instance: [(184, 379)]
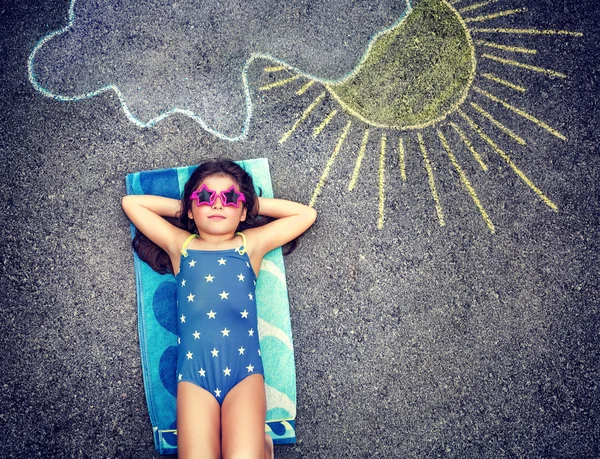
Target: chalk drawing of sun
[(423, 74)]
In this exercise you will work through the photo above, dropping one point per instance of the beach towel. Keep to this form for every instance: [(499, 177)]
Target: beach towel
[(156, 300)]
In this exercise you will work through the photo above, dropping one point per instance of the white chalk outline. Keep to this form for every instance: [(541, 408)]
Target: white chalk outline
[(189, 113)]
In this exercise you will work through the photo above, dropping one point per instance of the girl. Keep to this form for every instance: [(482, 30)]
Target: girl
[(215, 250)]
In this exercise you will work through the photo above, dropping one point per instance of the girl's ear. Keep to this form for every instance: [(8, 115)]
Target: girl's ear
[(244, 212), (190, 215)]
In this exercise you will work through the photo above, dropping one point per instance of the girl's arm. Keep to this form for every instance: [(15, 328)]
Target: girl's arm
[(146, 212), (292, 219)]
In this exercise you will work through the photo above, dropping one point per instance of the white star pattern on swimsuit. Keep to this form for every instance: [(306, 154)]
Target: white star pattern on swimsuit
[(217, 355)]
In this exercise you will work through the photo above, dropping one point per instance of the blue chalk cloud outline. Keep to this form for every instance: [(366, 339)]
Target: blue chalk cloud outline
[(189, 113)]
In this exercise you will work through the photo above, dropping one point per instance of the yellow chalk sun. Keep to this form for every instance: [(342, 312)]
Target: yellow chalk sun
[(420, 75)]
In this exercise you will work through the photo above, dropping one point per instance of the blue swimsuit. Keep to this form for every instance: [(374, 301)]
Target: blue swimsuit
[(217, 324)]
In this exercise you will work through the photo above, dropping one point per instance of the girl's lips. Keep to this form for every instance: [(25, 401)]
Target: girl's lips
[(216, 217)]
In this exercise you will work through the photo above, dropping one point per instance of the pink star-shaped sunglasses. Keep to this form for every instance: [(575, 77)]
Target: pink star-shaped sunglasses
[(207, 197)]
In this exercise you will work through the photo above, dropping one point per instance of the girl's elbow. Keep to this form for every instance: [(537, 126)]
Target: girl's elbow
[(312, 214), (128, 203)]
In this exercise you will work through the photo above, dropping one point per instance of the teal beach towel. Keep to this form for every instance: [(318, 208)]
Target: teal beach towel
[(157, 322)]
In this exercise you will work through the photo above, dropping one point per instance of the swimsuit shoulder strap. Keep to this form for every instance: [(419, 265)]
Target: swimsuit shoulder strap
[(185, 244), (241, 250)]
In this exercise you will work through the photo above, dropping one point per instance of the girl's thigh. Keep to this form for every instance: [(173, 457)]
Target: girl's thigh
[(243, 419), (198, 422)]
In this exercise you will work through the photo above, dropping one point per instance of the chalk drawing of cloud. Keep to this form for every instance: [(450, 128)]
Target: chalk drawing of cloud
[(189, 56)]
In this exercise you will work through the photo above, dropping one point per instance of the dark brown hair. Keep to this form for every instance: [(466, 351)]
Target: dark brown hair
[(158, 259)]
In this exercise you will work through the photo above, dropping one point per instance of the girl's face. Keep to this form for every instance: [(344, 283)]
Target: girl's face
[(217, 218)]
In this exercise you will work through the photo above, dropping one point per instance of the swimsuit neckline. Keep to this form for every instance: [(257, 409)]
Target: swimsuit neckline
[(234, 249), (240, 250)]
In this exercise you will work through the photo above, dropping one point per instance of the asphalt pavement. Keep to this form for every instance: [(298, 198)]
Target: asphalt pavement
[(438, 309)]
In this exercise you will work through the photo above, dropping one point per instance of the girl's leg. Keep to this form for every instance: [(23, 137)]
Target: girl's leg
[(198, 422), (243, 420)]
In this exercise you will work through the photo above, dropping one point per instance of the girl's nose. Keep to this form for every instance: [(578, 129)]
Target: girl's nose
[(217, 204)]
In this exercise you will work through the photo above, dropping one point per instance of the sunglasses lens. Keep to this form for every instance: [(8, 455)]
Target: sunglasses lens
[(232, 197), (203, 196)]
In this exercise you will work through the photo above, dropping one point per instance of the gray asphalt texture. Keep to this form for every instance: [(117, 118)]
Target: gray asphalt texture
[(416, 340)]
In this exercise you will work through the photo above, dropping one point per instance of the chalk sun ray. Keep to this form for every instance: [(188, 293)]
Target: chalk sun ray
[(525, 31), (325, 122), (524, 66), (274, 69), (499, 14), (466, 182), (514, 49), (359, 158), (476, 6), (498, 124), (508, 160), (431, 179), (279, 83), (303, 117), (402, 154), (520, 112), (305, 88), (381, 181), (492, 77), (469, 145), (330, 162)]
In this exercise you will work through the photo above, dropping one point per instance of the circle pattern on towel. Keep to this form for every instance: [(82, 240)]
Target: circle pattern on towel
[(168, 362), (165, 294)]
